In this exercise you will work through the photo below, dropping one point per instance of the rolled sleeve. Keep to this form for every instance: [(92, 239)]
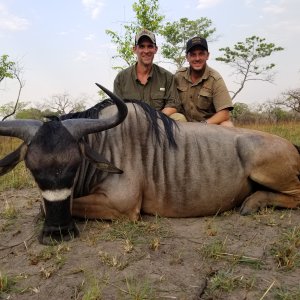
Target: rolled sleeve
[(221, 97), (172, 96)]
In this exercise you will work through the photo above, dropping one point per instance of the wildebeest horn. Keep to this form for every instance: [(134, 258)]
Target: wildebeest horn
[(81, 127), (22, 129)]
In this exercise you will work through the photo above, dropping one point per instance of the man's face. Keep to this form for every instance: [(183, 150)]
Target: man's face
[(145, 51), (197, 58)]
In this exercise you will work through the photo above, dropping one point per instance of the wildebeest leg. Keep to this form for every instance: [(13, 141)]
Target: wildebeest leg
[(261, 199), (98, 206)]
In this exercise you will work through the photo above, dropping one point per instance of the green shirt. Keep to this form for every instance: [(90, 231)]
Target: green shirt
[(202, 99), (159, 91)]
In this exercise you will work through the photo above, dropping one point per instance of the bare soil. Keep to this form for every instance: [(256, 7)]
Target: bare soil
[(222, 257)]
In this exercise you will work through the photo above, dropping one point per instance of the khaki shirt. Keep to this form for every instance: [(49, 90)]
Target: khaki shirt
[(159, 91), (202, 99)]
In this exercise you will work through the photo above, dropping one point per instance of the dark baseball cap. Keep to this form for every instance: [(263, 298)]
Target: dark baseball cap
[(146, 33), (196, 41)]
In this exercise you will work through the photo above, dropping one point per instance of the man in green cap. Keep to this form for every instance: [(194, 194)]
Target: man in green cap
[(202, 90), (147, 81)]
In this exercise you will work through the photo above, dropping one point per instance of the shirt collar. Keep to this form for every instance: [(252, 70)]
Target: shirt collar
[(134, 72), (205, 75)]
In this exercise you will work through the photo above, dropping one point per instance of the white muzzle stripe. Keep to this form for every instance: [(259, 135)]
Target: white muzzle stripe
[(56, 195)]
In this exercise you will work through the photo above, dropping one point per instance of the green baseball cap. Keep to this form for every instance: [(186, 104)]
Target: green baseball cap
[(146, 33)]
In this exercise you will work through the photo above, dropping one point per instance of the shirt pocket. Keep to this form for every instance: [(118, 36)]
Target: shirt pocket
[(183, 94), (158, 100), (181, 89), (204, 100)]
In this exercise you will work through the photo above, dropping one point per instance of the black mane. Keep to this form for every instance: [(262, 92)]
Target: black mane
[(152, 115), (90, 113)]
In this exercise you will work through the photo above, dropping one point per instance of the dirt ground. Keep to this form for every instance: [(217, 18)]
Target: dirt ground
[(222, 257)]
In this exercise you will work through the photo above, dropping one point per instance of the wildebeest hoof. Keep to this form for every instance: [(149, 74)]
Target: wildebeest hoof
[(55, 235), (246, 209)]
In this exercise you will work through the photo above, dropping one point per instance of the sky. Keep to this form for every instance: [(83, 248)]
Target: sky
[(62, 46)]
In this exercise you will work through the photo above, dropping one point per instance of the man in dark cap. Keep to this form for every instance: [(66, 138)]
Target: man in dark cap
[(147, 81), (202, 90)]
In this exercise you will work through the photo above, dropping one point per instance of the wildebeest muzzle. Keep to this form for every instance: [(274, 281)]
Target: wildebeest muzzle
[(58, 225)]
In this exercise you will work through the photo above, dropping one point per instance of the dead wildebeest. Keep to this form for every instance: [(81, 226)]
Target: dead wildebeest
[(122, 159)]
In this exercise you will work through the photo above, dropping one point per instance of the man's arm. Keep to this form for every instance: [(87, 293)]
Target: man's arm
[(219, 117), (172, 98)]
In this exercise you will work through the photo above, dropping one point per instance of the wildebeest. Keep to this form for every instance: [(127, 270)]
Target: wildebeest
[(119, 160)]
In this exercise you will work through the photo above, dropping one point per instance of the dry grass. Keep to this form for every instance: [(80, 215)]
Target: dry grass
[(19, 177), (287, 130), (286, 249)]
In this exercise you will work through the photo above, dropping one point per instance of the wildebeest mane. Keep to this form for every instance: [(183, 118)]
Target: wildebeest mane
[(90, 113), (152, 116)]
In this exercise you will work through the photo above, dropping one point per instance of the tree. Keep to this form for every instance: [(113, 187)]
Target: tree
[(290, 99), (273, 113), (62, 104), (147, 16), (12, 70), (30, 113), (240, 110), (6, 109), (245, 58), (6, 67), (177, 33)]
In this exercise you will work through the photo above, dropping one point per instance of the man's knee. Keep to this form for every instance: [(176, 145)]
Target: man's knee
[(227, 124), (178, 117)]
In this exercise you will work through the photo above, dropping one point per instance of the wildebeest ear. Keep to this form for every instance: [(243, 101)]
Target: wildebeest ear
[(12, 159), (97, 159)]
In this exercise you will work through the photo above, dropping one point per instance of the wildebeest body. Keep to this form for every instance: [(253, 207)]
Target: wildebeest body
[(211, 170)]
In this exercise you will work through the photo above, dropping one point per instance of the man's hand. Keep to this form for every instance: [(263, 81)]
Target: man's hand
[(169, 111)]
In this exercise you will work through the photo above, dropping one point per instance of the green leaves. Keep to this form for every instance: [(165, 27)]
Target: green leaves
[(6, 67), (124, 46), (147, 15)]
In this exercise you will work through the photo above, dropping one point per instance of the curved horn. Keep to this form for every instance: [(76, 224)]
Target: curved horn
[(22, 129), (81, 127)]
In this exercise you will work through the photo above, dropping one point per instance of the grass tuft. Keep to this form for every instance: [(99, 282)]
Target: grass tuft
[(136, 232), (139, 289), (286, 249), (6, 283), (92, 288), (224, 281), (9, 212), (287, 294)]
